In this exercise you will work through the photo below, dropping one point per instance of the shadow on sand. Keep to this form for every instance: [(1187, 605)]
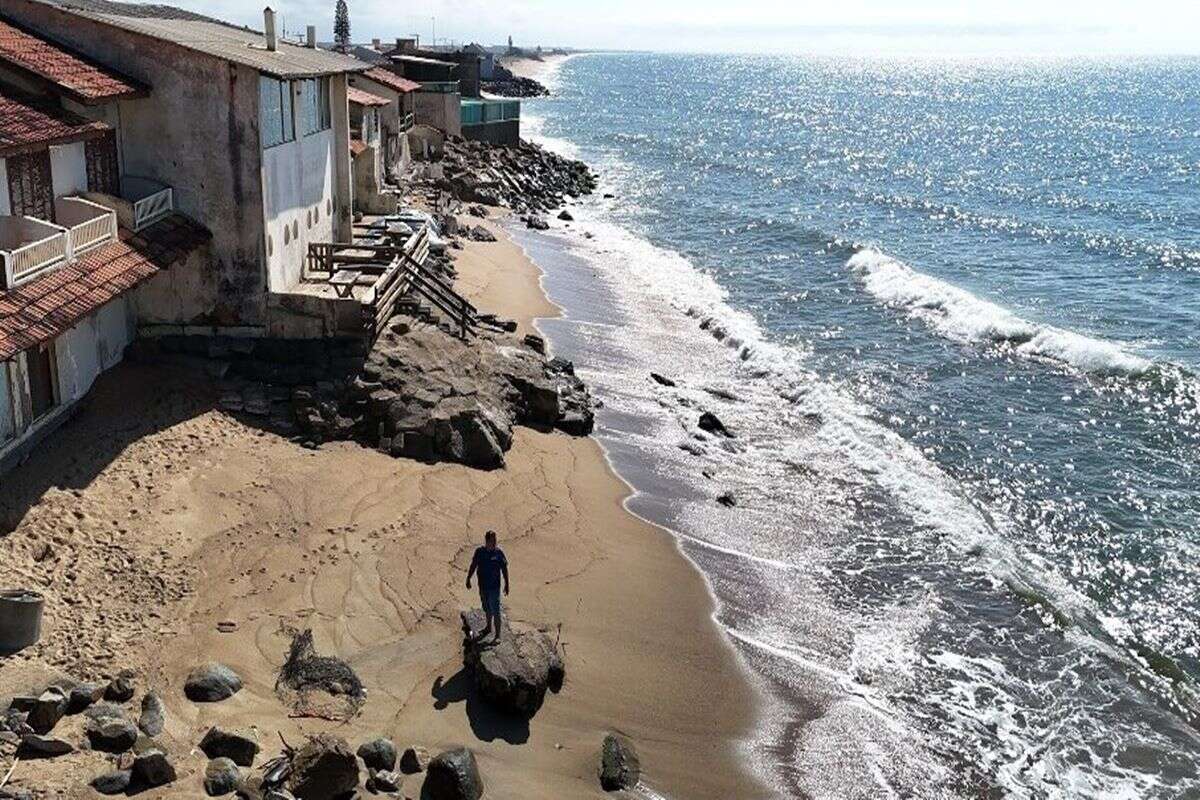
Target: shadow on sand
[(487, 724)]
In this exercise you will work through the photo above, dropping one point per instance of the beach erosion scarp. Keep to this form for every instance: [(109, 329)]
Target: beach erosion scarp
[(165, 533)]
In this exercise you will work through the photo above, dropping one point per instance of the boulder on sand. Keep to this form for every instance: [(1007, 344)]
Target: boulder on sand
[(153, 715), (414, 760), (514, 673), (221, 777), (378, 754), (45, 711), (151, 769), (111, 734), (83, 695), (453, 775), (36, 746), (620, 767), (324, 767), (237, 747), (110, 783), (120, 688), (211, 683)]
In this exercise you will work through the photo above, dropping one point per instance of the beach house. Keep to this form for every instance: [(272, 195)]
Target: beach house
[(396, 118), (367, 152)]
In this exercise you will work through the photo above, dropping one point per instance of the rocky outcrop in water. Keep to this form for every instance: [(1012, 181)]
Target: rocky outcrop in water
[(525, 177), (505, 83)]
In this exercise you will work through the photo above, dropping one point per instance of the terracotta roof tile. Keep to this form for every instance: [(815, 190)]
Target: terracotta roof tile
[(79, 77), (391, 80), (26, 124), (359, 97)]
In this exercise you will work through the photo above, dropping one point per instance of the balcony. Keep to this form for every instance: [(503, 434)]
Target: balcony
[(150, 199), (31, 247)]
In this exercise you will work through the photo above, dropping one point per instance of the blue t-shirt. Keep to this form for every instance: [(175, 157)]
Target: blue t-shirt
[(489, 564)]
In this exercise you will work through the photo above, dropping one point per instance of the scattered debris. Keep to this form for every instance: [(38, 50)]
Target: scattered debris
[(316, 685)]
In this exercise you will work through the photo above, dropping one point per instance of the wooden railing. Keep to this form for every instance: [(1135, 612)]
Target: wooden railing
[(408, 276)]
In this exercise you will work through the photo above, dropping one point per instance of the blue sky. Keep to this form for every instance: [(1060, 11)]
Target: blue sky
[(864, 27)]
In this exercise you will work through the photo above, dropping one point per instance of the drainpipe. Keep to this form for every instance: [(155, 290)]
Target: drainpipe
[(269, 29)]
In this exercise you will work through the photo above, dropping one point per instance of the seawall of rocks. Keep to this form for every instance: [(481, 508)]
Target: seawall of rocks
[(525, 177)]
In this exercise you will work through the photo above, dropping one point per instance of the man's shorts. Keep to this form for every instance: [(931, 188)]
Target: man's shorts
[(490, 600)]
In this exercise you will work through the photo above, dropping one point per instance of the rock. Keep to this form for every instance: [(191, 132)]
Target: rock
[(565, 216), (619, 764), (37, 746), (45, 712), (709, 422), (514, 673), (211, 683), (145, 744), (480, 234), (153, 715), (414, 760), (111, 734), (535, 343), (453, 775), (323, 768), (662, 380), (727, 499), (84, 695), (378, 754), (237, 747), (384, 781), (115, 782), (537, 223), (221, 777), (120, 688), (151, 769)]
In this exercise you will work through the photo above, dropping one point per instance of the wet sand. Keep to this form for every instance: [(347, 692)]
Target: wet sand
[(165, 516)]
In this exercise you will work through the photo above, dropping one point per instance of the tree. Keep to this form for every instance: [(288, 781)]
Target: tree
[(341, 26)]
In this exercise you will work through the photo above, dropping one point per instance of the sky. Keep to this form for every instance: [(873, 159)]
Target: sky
[(861, 27)]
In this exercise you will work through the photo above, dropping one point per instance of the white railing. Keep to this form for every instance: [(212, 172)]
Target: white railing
[(90, 224), (26, 263), (152, 208)]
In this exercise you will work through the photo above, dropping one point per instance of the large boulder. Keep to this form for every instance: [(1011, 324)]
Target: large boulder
[(35, 745), (379, 754), (46, 710), (238, 747), (514, 673), (620, 767), (211, 683), (110, 783), (323, 768), (83, 695), (453, 775), (221, 777), (153, 716), (151, 769), (111, 734)]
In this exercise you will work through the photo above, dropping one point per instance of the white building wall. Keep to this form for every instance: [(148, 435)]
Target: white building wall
[(68, 169), (5, 202), (91, 347), (298, 202), (7, 423)]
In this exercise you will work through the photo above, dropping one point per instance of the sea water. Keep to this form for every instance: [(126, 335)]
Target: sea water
[(950, 311)]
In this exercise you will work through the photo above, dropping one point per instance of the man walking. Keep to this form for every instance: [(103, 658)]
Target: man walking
[(490, 562)]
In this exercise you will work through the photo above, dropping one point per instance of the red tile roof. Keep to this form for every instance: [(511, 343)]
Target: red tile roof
[(50, 305), (83, 80), (359, 97), (27, 125), (391, 80)]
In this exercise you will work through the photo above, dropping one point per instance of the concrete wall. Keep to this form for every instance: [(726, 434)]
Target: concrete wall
[(198, 133), (439, 111), (5, 201), (298, 190), (7, 423), (109, 114), (506, 133), (68, 169), (343, 200), (178, 293)]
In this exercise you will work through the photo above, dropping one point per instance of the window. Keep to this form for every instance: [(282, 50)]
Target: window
[(313, 111), (275, 112)]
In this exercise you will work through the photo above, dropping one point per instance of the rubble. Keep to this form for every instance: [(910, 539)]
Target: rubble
[(525, 177)]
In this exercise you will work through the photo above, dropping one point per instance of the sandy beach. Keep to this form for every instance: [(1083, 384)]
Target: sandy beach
[(152, 516)]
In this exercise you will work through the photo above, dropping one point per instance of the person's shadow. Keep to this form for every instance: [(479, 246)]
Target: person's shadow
[(487, 723)]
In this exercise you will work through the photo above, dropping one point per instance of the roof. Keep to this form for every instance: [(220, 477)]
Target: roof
[(359, 97), (27, 125), (394, 56), (84, 80), (213, 37), (357, 147), (391, 80), (53, 303)]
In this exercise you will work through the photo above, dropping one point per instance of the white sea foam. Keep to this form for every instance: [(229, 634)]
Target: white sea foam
[(962, 316)]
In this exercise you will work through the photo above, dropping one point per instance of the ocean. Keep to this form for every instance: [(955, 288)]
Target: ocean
[(948, 310)]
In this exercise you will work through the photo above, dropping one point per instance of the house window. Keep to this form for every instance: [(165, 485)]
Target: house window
[(313, 106), (42, 378), (275, 112)]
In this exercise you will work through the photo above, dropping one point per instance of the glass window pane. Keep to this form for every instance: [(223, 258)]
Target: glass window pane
[(285, 93), (270, 119)]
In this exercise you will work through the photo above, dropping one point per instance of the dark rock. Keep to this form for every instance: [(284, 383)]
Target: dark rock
[(536, 223), (111, 734), (151, 769), (153, 715), (379, 754), (709, 422), (45, 712), (662, 380), (453, 775), (104, 711), (620, 767), (221, 777), (565, 216), (111, 783), (238, 747), (414, 760), (385, 781), (84, 695), (120, 688), (211, 683), (514, 673), (323, 768), (727, 499), (480, 234), (37, 746), (535, 343)]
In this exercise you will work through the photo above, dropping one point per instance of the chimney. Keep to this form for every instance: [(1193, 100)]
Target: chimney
[(376, 44), (312, 37), (269, 29)]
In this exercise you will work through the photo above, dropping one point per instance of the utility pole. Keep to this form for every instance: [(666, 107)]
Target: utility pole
[(434, 42)]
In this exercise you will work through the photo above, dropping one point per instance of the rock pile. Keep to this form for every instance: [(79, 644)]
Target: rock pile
[(525, 177), (506, 84), (427, 395), (513, 673)]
